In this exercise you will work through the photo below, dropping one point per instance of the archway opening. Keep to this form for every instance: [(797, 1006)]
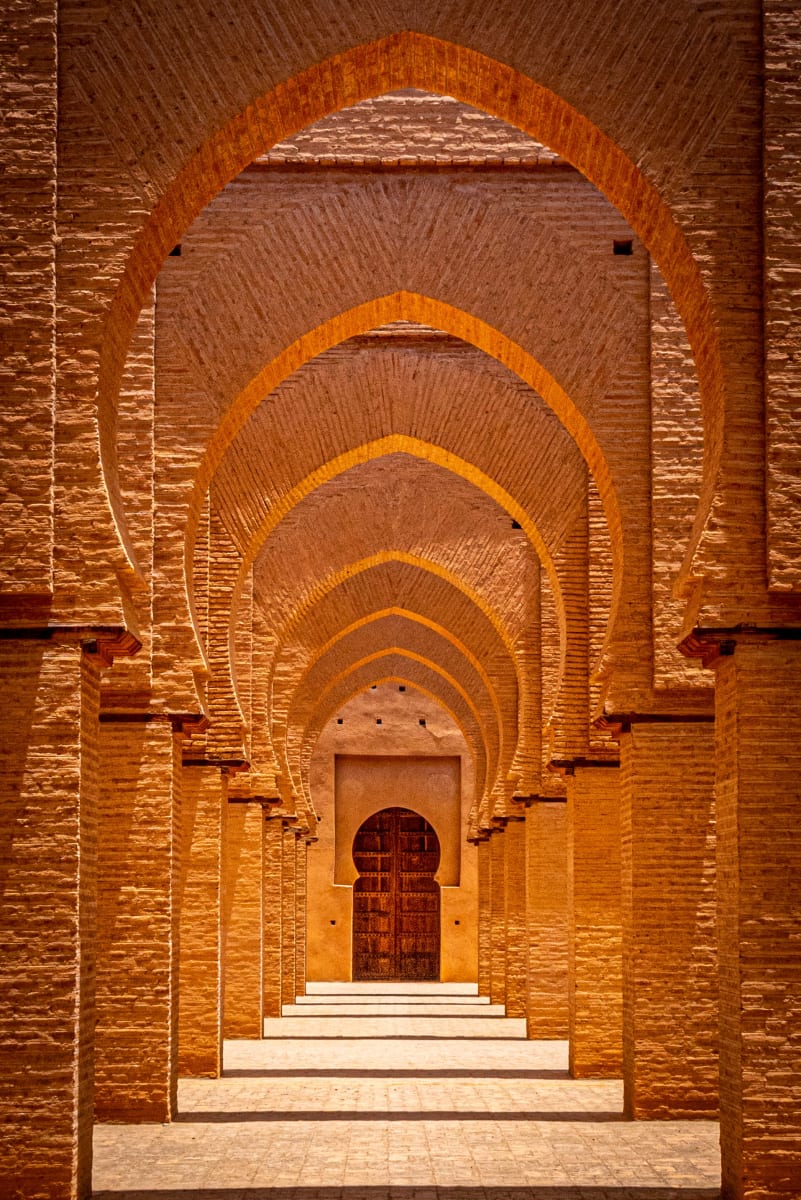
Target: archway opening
[(396, 899)]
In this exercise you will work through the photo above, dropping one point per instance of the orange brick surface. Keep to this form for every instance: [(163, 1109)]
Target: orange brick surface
[(546, 920), (203, 813), (595, 987)]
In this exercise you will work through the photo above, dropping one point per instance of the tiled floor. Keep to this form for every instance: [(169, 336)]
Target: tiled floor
[(415, 1092)]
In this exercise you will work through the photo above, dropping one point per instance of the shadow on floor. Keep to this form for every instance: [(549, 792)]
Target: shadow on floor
[(378, 1073), (267, 1115), (432, 1192)]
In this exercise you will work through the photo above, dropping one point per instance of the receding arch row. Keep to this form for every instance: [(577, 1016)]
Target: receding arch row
[(420, 642), (411, 306), (416, 618), (412, 60), (393, 444), (465, 702), (383, 575), (353, 594), (398, 668)]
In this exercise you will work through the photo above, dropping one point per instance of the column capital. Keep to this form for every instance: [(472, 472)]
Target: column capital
[(106, 641), (619, 723), (529, 801), (568, 766), (710, 643)]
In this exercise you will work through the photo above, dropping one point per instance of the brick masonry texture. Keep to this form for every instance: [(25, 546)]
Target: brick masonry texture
[(594, 926), (498, 917), (514, 846), (203, 812), (242, 920), (469, 397), (139, 835), (670, 983), (289, 862), (546, 920), (50, 789), (758, 917), (271, 910)]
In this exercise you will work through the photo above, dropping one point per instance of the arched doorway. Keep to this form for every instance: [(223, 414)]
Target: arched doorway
[(396, 926)]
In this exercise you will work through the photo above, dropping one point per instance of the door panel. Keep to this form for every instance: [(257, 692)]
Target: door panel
[(396, 905)]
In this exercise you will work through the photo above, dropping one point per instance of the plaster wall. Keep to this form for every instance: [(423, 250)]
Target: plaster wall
[(381, 766)]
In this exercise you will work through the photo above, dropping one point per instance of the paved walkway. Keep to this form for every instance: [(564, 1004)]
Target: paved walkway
[(413, 1092)]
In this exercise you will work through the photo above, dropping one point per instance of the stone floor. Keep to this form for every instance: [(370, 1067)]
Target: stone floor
[(402, 1092)]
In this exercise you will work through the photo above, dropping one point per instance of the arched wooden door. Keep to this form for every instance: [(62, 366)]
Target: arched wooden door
[(396, 926)]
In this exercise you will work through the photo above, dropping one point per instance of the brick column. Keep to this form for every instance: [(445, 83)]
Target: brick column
[(242, 907), (758, 731), (484, 918), (546, 919), (497, 918), (514, 843), (595, 988), (670, 986), (136, 1038), (288, 911), (204, 802), (301, 856), (272, 903), (48, 814)]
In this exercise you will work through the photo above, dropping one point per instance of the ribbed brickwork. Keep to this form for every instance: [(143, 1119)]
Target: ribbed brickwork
[(28, 90), (203, 808), (670, 982), (595, 963), (676, 448), (139, 844), (758, 747), (409, 126), (49, 780), (546, 920), (271, 908), (242, 967), (498, 917), (301, 852), (781, 213), (288, 916), (514, 844), (484, 919)]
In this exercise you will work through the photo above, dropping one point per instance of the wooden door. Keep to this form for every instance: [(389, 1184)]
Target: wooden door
[(396, 925)]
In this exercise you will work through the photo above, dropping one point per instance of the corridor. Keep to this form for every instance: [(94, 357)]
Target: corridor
[(402, 1092)]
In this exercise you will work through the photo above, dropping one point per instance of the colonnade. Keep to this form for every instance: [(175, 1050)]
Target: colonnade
[(647, 915)]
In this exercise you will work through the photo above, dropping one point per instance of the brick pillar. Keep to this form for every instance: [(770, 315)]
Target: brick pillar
[(546, 919), (484, 918), (758, 731), (301, 850), (204, 802), (272, 903), (288, 869), (514, 843), (48, 814), (136, 1037), (242, 921), (497, 918), (595, 964), (670, 986)]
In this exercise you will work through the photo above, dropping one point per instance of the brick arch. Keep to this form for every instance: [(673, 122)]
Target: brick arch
[(411, 59), (423, 640), (463, 702), (410, 306), (351, 572), (407, 614), (401, 669), (403, 444), (374, 584)]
